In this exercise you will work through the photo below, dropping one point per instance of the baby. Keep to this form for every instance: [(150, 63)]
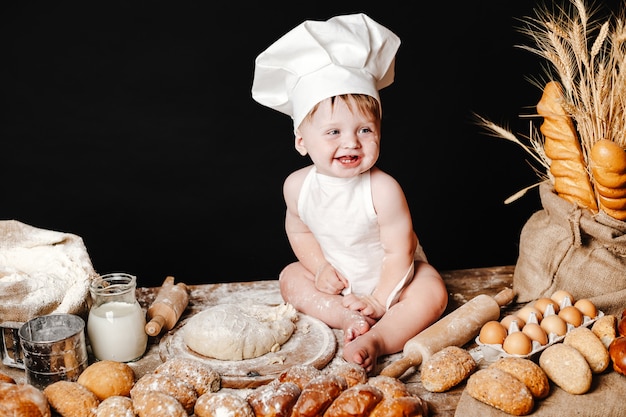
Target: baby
[(360, 267)]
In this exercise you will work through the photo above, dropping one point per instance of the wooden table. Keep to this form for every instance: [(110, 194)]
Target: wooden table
[(463, 285)]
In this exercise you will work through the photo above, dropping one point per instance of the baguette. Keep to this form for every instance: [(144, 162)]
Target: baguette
[(608, 165), (561, 145)]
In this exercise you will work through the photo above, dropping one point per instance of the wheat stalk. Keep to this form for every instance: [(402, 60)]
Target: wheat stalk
[(587, 56)]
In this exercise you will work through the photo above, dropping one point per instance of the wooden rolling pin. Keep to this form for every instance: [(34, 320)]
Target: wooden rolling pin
[(167, 308), (455, 329)]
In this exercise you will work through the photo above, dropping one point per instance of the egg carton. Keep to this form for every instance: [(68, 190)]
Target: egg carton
[(492, 352)]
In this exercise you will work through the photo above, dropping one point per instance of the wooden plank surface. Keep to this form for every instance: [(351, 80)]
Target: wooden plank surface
[(463, 285)]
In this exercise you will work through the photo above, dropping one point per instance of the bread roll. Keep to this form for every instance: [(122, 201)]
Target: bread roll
[(604, 329), (446, 368), (411, 406), (391, 387), (567, 368), (71, 399), (22, 400), (221, 404), (501, 390), (116, 406), (177, 388), (353, 373), (358, 400), (528, 372), (591, 347), (301, 375), (318, 395), (608, 165), (6, 378), (201, 376), (108, 378), (617, 351), (157, 404), (275, 399)]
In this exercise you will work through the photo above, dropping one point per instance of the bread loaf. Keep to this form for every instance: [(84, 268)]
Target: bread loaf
[(526, 371), (107, 378), (591, 347), (177, 388), (501, 390), (567, 368), (220, 404), (446, 368), (71, 399), (561, 145), (157, 404), (116, 406), (275, 399), (318, 395), (198, 374), (22, 400), (358, 400)]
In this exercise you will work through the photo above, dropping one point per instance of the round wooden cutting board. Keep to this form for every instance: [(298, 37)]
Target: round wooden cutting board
[(312, 343)]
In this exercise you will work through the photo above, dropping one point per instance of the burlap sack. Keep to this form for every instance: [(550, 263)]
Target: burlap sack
[(565, 247), (41, 272)]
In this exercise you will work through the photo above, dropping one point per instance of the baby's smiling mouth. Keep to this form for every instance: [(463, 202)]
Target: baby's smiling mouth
[(347, 159)]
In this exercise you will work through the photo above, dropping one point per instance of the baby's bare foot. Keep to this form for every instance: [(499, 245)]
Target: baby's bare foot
[(363, 351), (354, 325)]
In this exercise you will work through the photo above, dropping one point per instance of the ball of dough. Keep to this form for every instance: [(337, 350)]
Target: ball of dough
[(107, 378), (218, 404), (234, 332)]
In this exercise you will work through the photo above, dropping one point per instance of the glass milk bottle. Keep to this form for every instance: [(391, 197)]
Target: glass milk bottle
[(116, 322)]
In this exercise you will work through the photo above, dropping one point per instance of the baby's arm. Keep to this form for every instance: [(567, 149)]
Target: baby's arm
[(303, 243), (396, 232)]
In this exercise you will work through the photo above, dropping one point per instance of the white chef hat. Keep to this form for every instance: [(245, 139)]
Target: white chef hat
[(349, 54)]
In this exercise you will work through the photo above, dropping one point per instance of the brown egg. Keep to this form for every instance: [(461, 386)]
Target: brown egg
[(507, 320), (559, 295), (517, 343), (587, 308), (542, 303), (554, 324), (572, 315), (536, 333), (527, 311), (492, 333)]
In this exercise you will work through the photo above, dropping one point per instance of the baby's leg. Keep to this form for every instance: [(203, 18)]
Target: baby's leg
[(298, 288), (421, 303)]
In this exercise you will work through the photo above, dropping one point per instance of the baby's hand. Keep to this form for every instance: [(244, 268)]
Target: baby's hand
[(366, 305), (330, 281)]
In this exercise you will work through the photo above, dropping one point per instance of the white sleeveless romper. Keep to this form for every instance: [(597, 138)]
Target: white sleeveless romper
[(340, 214)]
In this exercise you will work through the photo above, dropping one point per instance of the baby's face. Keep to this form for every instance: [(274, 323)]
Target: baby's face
[(341, 141)]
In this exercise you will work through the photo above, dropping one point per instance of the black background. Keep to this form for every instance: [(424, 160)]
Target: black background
[(131, 124)]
